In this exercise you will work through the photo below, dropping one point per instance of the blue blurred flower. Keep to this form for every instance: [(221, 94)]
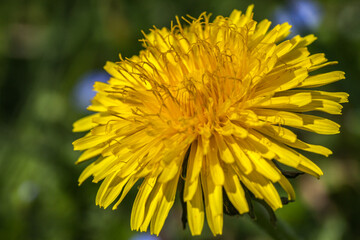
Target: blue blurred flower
[(83, 90), (144, 236), (303, 15)]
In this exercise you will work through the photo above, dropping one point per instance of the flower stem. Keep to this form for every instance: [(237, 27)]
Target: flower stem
[(280, 230)]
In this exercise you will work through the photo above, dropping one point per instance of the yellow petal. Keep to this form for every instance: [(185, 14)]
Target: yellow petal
[(125, 191), (112, 69), (327, 106), (85, 123), (195, 211), (113, 191), (340, 97), (261, 165), (90, 153), (322, 79), (307, 122), (310, 147), (104, 187), (225, 153), (195, 161), (285, 155), (293, 101), (213, 203), (230, 128), (235, 192), (164, 206), (90, 141), (97, 166), (152, 204), (190, 189), (281, 80), (285, 184), (261, 30), (138, 209), (262, 189), (241, 159), (318, 61), (309, 167), (215, 168), (297, 56), (171, 170), (279, 133)]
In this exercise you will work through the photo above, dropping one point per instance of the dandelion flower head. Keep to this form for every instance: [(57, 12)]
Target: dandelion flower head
[(208, 103)]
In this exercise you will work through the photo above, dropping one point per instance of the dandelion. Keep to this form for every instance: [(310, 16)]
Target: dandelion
[(208, 104)]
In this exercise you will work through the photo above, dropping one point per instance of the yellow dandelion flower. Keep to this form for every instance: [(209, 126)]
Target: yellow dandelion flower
[(209, 103)]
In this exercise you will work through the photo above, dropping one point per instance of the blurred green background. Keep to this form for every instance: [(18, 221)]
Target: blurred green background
[(52, 51)]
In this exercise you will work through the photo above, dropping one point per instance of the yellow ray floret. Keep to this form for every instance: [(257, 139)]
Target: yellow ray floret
[(209, 104)]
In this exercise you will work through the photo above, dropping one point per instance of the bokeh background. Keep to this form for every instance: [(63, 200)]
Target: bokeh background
[(51, 52)]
